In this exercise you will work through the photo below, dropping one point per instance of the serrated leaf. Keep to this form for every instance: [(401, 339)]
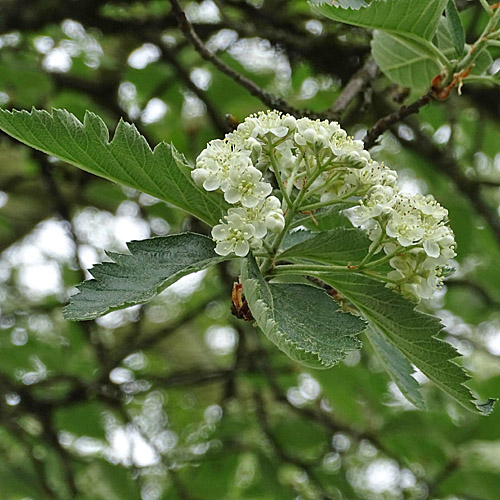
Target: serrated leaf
[(397, 366), (455, 27), (127, 159), (411, 332), (411, 64), (137, 278), (337, 246), (303, 321), (350, 4), (404, 61), (415, 18)]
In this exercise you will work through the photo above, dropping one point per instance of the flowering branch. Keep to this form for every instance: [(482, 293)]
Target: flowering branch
[(321, 166)]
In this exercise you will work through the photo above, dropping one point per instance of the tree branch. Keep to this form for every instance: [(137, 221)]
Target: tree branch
[(389, 120), (357, 84), (272, 101)]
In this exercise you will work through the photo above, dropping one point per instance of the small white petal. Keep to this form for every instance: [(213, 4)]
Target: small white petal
[(224, 248), (431, 248), (220, 231), (212, 183), (241, 248), (232, 195)]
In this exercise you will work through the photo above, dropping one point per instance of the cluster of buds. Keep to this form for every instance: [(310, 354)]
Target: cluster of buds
[(313, 164)]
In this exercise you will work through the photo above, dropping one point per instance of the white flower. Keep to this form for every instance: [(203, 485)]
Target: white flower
[(429, 206), (321, 133), (267, 216), (272, 214), (439, 241), (411, 230), (235, 236), (372, 174), (216, 161), (407, 229), (244, 186), (265, 125)]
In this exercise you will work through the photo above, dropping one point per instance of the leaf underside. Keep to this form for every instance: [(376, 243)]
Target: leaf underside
[(303, 321), (413, 333), (403, 61), (397, 366), (152, 265), (126, 159)]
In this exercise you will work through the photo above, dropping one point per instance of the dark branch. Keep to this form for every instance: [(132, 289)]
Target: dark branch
[(386, 122), (272, 101)]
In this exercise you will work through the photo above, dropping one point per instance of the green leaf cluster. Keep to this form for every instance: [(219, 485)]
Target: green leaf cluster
[(412, 41)]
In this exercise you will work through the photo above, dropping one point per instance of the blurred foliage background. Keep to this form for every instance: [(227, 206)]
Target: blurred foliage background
[(179, 399)]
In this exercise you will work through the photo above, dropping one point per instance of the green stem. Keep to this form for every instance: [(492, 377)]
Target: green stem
[(292, 210), (274, 165), (486, 6), (307, 268), (483, 79), (399, 251), (480, 43), (322, 204)]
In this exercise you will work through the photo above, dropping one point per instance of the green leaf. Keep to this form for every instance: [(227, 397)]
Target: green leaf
[(397, 366), (325, 218), (445, 43), (404, 61), (455, 27), (133, 279), (337, 246), (412, 332), (303, 321), (127, 159), (413, 18)]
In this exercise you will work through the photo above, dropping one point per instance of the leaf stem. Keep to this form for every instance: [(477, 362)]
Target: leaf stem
[(486, 7), (480, 43), (300, 268)]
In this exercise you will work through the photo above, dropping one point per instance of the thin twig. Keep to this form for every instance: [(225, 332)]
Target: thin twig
[(357, 84), (486, 183), (274, 102), (280, 452), (387, 121), (476, 288), (212, 111)]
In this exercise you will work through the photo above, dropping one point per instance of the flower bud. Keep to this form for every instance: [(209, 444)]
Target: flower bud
[(290, 122)]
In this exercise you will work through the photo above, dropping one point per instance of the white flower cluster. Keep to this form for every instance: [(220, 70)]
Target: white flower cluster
[(412, 231), (227, 165), (315, 163), (237, 166)]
